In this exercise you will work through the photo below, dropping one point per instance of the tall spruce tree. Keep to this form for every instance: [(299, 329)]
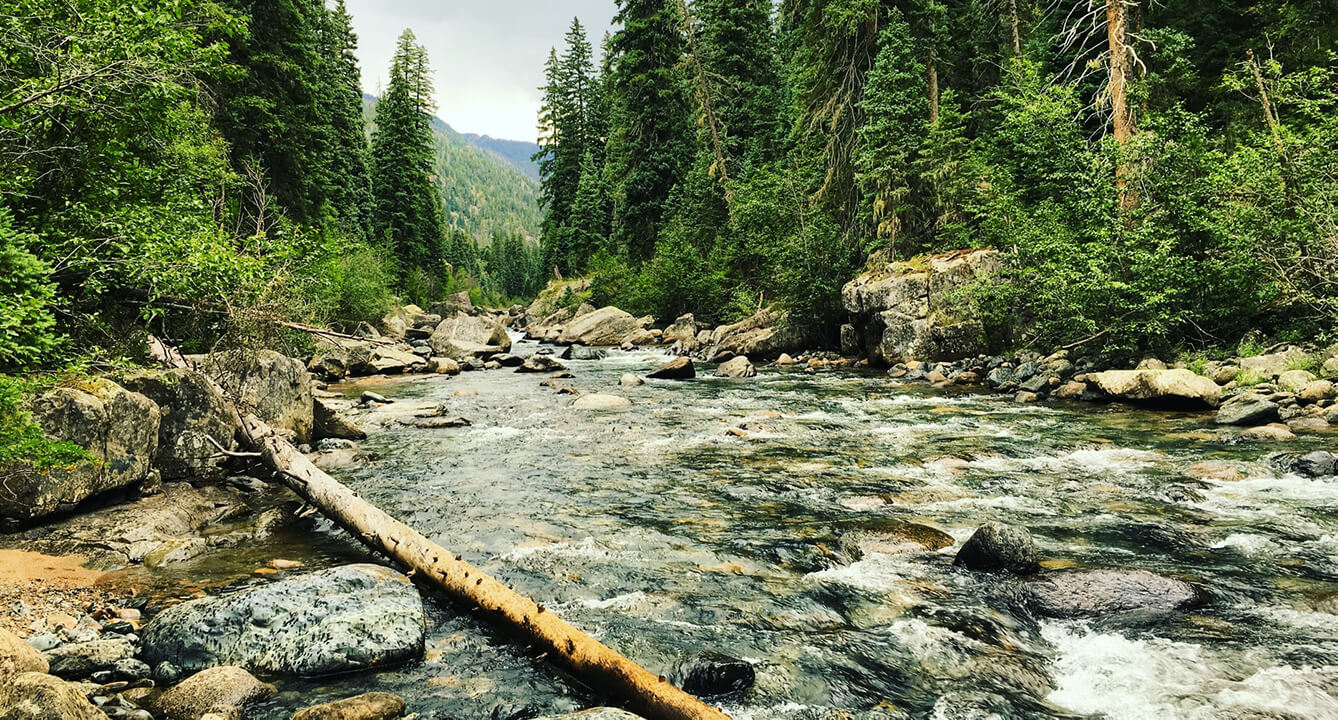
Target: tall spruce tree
[(738, 53), (566, 135), (652, 145), (409, 213), (351, 188), (589, 221)]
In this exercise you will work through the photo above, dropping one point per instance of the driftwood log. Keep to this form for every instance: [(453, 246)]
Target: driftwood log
[(592, 662)]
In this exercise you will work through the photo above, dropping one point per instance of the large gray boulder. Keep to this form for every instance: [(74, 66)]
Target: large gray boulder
[(1163, 388), (196, 421), (275, 387), (605, 327), (765, 334), (76, 661), (222, 690), (1099, 593), (348, 618), (117, 427), (35, 696), (463, 337), (1248, 409), (995, 547)]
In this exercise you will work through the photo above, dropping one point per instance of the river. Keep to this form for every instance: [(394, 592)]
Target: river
[(661, 534)]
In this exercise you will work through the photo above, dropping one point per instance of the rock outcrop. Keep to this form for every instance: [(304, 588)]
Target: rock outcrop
[(119, 430), (274, 386), (605, 327), (1162, 388), (901, 311), (766, 334), (464, 337), (196, 421), (348, 618)]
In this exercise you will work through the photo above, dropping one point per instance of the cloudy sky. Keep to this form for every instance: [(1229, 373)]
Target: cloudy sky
[(488, 54)]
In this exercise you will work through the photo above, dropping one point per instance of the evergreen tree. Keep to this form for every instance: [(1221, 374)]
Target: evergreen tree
[(351, 191), (652, 138), (737, 52), (589, 214), (409, 212), (566, 135)]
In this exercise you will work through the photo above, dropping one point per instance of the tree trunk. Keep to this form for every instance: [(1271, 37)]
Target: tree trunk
[(931, 68), (1121, 65), (1017, 29), (590, 661)]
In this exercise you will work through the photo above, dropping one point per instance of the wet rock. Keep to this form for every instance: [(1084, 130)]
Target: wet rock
[(996, 547), (603, 713), (713, 674), (680, 368), (1275, 432), (1218, 471), (605, 327), (1099, 593), (35, 696), (895, 540), (464, 337), (76, 661), (368, 706), (508, 360), (580, 352), (1312, 465), (17, 656), (1162, 388), (223, 690), (434, 423), (117, 427), (131, 669), (739, 367), (1308, 424), (1247, 409), (275, 387), (368, 397), (601, 401), (540, 364), (785, 360), (348, 618), (1025, 397), (328, 423), (195, 417), (630, 380)]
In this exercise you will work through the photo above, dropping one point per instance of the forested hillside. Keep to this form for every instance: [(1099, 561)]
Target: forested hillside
[(1163, 175), (519, 154), (484, 192)]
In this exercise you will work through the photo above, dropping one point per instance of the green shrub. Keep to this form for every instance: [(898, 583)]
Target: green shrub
[(22, 442), (27, 333)]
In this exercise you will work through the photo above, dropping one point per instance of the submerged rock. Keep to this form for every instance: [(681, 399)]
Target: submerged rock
[(35, 696), (1098, 593), (997, 547), (712, 674), (894, 540), (348, 618), (368, 706), (680, 368), (1317, 464), (220, 690), (580, 352)]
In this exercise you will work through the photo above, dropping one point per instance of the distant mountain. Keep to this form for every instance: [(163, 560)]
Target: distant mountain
[(516, 152), (484, 190)]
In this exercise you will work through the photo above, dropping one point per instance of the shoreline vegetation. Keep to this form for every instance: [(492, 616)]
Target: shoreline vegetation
[(1124, 201)]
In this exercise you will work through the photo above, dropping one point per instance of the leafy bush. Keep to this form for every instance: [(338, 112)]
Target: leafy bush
[(26, 296), (22, 442)]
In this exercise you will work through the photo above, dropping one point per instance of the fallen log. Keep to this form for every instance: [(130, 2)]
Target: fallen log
[(592, 662)]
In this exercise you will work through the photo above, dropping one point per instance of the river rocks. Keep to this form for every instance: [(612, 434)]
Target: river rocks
[(684, 332), (391, 361), (1273, 432), (76, 661), (1293, 380), (17, 656), (630, 380), (602, 713), (221, 690), (1099, 593), (196, 420), (1316, 391), (581, 352), (739, 367), (996, 547), (680, 368), (443, 366), (329, 423), (368, 706), (1218, 471), (1272, 365), (894, 540), (34, 696), (605, 327), (275, 387), (712, 674), (1071, 390), (540, 364), (1162, 388), (1311, 465), (117, 427), (1248, 409), (601, 401), (348, 618), (765, 334), (464, 337)]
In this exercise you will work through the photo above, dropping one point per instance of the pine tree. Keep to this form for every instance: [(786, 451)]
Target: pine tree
[(409, 212), (649, 154), (589, 216), (737, 52), (566, 135), (351, 191)]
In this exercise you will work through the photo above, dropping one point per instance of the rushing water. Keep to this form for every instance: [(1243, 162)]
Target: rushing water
[(661, 534)]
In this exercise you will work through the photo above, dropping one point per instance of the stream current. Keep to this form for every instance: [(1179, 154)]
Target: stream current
[(661, 534)]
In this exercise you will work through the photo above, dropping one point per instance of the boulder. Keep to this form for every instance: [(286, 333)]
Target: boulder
[(1162, 388), (601, 401), (348, 618), (443, 366), (1099, 593), (896, 539), (34, 696), (508, 360), (328, 423), (1210, 470), (1273, 432), (684, 330), (995, 547), (76, 661), (117, 427), (710, 674), (17, 656), (1330, 368), (785, 360), (680, 368), (222, 690), (605, 327), (540, 364), (368, 706), (1247, 409), (195, 417), (1293, 380), (739, 367), (274, 386), (1317, 391), (386, 360), (580, 352), (630, 380), (464, 337), (1317, 464), (1274, 364), (763, 335)]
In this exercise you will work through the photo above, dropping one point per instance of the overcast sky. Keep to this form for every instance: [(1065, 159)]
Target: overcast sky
[(488, 54)]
